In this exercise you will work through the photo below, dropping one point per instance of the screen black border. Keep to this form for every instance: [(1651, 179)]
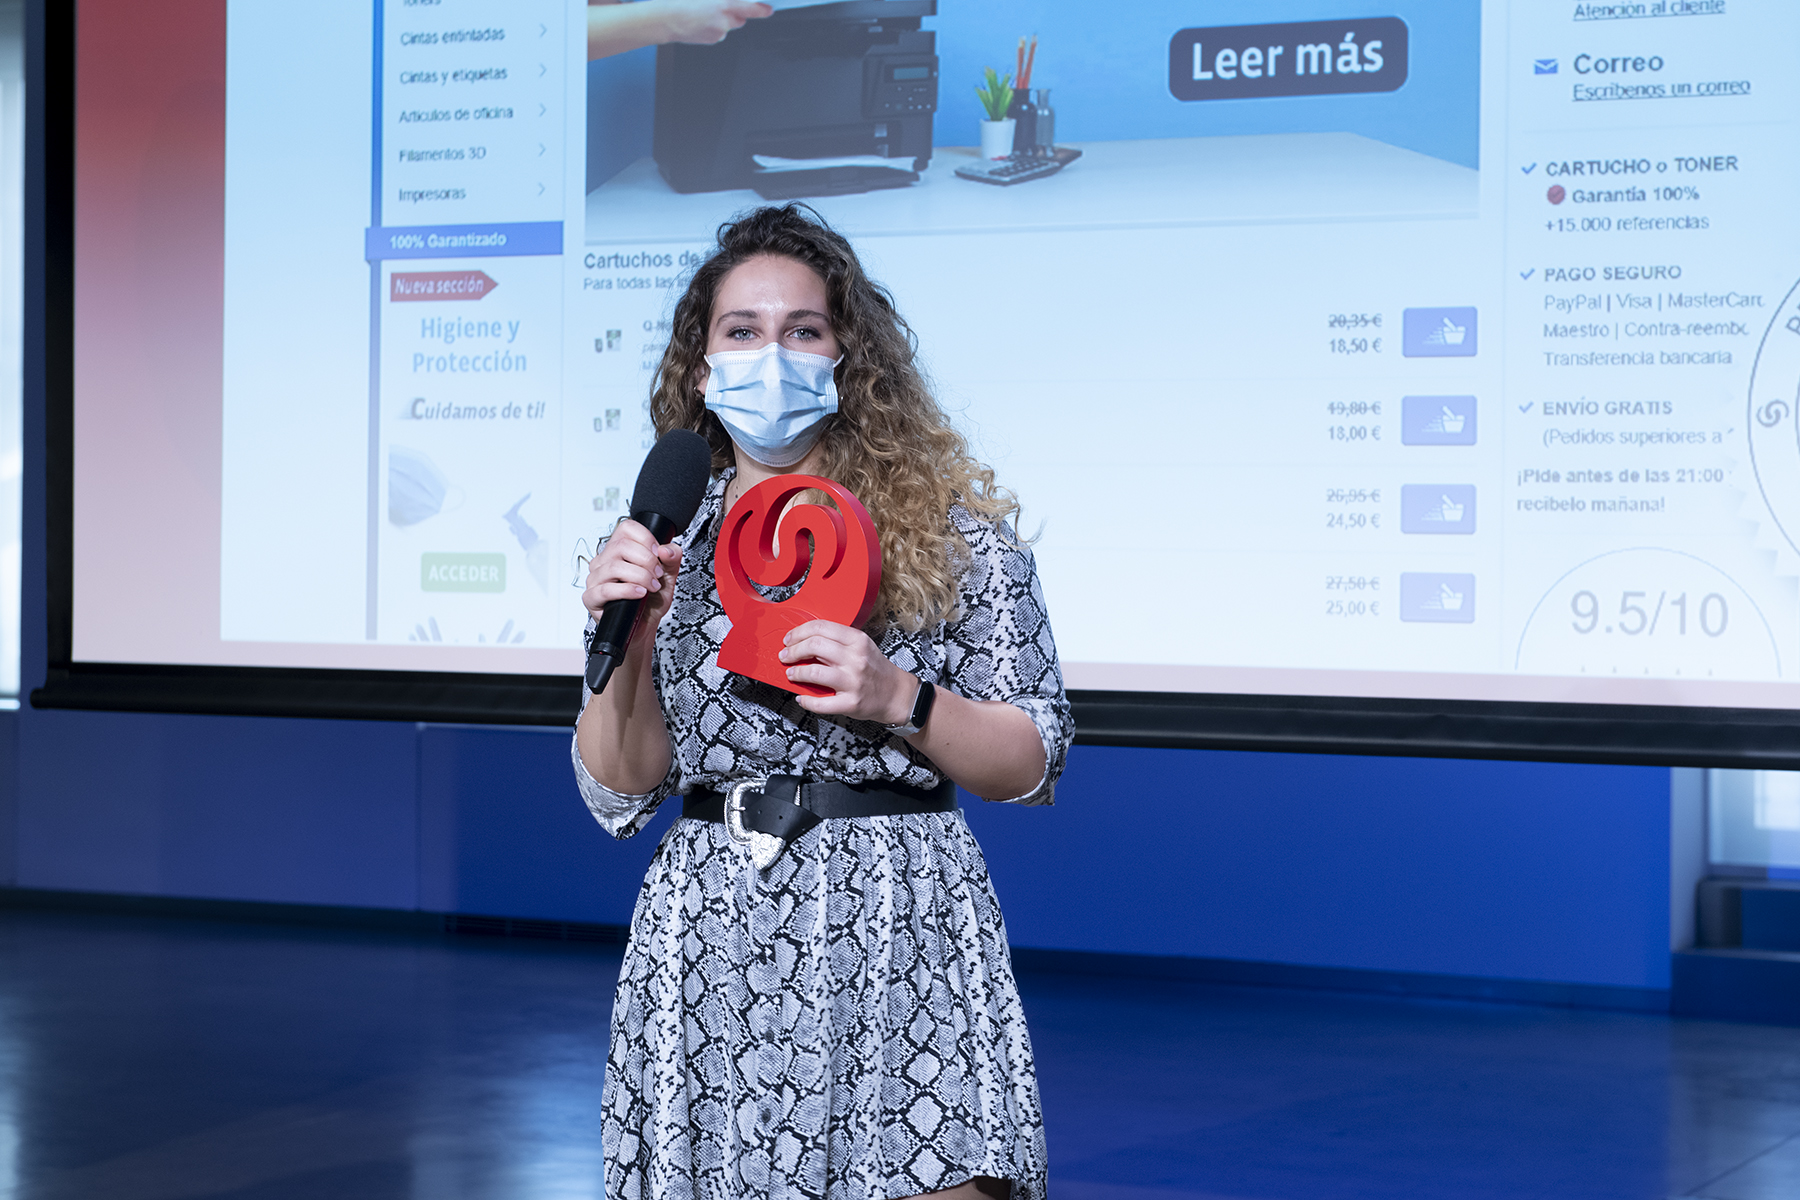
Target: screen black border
[(1625, 734)]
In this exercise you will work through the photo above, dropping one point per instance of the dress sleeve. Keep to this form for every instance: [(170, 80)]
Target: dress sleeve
[(999, 646), (619, 813)]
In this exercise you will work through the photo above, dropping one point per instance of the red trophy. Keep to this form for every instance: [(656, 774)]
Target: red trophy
[(765, 542)]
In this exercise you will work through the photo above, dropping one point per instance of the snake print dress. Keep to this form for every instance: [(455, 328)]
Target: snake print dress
[(844, 1024)]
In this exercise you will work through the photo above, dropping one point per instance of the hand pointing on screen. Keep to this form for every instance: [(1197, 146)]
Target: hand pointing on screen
[(615, 28)]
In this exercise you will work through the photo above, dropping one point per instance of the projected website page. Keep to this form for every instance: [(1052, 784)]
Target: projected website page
[(1417, 349)]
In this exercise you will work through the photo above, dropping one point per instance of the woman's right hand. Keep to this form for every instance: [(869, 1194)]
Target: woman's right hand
[(632, 566), (621, 735)]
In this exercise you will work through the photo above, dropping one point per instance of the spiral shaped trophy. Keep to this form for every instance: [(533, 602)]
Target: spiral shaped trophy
[(836, 551)]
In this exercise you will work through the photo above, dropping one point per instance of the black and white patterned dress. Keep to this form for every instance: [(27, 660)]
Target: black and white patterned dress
[(844, 1024)]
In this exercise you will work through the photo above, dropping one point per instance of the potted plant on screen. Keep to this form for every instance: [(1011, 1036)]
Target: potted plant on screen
[(996, 97)]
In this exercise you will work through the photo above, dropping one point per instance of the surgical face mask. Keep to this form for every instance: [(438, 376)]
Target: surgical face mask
[(416, 488), (772, 401)]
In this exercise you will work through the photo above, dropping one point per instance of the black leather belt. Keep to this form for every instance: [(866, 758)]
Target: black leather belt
[(766, 814)]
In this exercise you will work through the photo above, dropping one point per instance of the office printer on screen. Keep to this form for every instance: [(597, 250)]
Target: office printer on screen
[(851, 84)]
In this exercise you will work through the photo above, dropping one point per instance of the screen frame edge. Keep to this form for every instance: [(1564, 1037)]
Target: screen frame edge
[(1620, 734)]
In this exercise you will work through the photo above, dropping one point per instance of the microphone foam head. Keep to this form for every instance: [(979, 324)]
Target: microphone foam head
[(672, 481)]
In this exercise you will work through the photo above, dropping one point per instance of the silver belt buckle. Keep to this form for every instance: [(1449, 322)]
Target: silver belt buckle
[(764, 848)]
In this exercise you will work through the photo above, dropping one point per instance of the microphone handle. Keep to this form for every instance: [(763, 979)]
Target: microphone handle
[(612, 633)]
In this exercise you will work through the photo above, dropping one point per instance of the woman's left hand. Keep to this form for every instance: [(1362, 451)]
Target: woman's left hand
[(846, 660)]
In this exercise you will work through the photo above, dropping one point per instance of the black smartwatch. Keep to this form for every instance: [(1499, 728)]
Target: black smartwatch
[(921, 711)]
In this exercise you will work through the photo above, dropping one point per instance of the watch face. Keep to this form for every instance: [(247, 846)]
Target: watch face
[(922, 706)]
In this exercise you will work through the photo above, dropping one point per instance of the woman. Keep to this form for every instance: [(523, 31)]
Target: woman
[(844, 1023)]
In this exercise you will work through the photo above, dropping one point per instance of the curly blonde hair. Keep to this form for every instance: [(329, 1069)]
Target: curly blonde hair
[(889, 442)]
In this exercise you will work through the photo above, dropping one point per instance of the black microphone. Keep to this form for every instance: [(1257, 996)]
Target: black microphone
[(670, 486)]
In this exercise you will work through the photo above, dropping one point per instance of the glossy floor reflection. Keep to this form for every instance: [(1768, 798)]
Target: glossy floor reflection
[(150, 1059)]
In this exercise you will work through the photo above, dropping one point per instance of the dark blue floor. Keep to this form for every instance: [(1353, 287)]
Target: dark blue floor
[(155, 1059)]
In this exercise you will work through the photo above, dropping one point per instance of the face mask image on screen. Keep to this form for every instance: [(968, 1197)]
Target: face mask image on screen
[(416, 488), (1462, 336)]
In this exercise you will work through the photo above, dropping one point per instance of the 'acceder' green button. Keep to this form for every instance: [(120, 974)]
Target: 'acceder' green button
[(462, 572)]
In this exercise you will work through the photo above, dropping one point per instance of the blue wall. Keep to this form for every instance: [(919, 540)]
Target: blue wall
[(1508, 870), (618, 113)]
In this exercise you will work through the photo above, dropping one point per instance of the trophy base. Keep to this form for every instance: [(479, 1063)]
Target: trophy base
[(751, 650)]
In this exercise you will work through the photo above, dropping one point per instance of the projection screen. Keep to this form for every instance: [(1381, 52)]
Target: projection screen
[(1410, 376)]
